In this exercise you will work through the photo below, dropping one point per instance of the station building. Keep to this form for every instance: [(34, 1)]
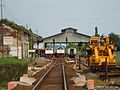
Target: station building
[(67, 35), (64, 38)]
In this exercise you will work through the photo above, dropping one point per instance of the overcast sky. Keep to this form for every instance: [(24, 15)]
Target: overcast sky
[(50, 16)]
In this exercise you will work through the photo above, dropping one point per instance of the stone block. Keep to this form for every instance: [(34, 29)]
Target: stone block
[(28, 80)]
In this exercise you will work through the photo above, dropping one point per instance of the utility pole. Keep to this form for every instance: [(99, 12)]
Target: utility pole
[(1, 25), (1, 13)]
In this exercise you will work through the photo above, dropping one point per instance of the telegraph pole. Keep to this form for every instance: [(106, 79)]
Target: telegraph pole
[(2, 32), (1, 13)]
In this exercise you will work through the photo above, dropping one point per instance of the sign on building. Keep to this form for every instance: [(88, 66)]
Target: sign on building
[(8, 40)]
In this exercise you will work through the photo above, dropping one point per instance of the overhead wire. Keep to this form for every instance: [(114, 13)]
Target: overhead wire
[(9, 13)]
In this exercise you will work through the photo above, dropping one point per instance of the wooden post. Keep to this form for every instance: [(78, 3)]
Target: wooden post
[(106, 69), (79, 62)]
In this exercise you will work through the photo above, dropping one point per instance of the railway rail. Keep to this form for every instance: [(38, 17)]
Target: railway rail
[(109, 74), (53, 79)]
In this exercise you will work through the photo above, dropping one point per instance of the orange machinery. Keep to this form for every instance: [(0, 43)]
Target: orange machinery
[(102, 52)]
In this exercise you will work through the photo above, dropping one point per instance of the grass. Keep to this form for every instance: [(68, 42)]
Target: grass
[(11, 61)]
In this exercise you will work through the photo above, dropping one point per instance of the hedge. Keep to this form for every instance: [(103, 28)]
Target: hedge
[(12, 68)]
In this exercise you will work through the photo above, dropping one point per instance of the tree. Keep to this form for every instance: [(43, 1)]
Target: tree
[(96, 31), (116, 39), (30, 40)]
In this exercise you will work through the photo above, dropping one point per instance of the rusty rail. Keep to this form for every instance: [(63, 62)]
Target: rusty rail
[(34, 88), (64, 77), (45, 75)]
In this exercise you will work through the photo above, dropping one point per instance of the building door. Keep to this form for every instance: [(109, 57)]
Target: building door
[(71, 51), (42, 53)]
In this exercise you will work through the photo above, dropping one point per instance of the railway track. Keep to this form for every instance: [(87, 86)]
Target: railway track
[(82, 62), (109, 75), (111, 71), (53, 79)]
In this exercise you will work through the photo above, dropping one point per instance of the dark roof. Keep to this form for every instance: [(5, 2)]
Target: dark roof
[(83, 34), (63, 31), (53, 35)]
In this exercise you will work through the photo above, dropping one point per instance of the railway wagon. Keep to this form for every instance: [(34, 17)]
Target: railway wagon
[(49, 53), (60, 52)]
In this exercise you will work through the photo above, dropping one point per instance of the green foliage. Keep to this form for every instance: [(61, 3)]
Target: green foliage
[(71, 45), (118, 62), (96, 31), (30, 40), (11, 61), (3, 83), (14, 25), (12, 68), (116, 39)]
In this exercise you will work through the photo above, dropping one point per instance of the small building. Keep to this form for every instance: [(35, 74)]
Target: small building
[(15, 40)]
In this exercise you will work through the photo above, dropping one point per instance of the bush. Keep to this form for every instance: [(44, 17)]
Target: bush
[(3, 84), (12, 61), (118, 62), (12, 68)]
